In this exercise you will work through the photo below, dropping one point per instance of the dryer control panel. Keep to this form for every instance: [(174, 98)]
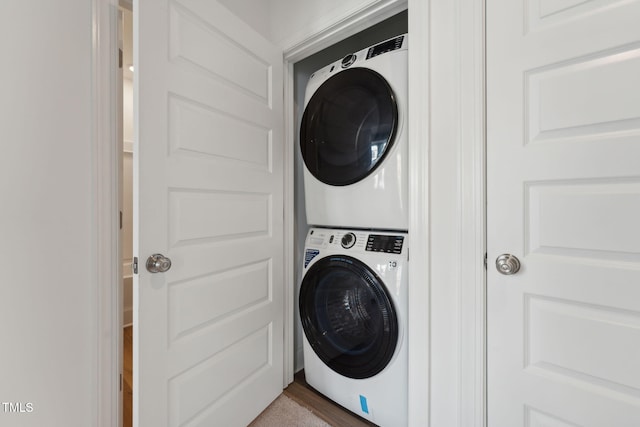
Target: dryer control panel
[(384, 47)]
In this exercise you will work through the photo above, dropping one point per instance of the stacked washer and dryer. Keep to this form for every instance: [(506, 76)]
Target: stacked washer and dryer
[(353, 296)]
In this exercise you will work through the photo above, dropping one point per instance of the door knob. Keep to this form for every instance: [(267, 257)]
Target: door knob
[(507, 264), (158, 263)]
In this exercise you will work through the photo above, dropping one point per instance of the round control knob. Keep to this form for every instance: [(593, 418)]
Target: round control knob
[(348, 60), (348, 240)]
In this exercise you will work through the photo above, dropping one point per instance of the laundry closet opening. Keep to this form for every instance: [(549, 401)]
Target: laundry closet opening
[(391, 27), (392, 30)]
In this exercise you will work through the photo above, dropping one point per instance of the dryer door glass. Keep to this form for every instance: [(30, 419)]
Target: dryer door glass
[(348, 126), (348, 317)]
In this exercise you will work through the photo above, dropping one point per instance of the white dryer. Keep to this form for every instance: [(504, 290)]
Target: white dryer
[(353, 307), (353, 140)]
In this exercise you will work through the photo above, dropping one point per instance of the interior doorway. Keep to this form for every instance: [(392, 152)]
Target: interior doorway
[(126, 233), (127, 318)]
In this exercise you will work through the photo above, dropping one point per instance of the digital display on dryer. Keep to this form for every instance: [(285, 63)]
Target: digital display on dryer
[(383, 243)]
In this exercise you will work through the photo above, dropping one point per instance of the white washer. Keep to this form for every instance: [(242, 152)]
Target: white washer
[(353, 307), (353, 140)]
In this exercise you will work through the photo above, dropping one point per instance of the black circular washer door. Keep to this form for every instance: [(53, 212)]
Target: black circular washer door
[(348, 126), (348, 317)]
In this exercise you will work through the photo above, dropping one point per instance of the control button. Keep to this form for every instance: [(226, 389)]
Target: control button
[(348, 60), (348, 240)]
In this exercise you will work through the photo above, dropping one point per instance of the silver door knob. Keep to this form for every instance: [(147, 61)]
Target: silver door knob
[(507, 264), (158, 263)]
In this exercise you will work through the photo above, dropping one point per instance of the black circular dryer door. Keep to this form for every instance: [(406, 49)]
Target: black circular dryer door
[(348, 317), (348, 126)]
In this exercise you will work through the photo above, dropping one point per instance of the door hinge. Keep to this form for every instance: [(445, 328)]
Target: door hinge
[(485, 260), (120, 382), (134, 265), (120, 220), (120, 58)]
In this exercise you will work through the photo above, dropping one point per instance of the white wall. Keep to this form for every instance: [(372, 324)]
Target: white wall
[(289, 22), (293, 20), (47, 290)]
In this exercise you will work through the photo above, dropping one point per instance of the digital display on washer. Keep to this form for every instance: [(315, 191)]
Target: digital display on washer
[(385, 47), (383, 243)]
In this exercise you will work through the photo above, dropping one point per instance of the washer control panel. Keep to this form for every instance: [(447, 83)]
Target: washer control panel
[(356, 240), (385, 243)]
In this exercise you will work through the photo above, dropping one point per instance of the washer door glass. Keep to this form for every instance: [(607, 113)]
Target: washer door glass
[(348, 317), (348, 126)]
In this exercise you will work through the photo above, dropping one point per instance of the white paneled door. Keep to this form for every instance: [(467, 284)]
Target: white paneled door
[(563, 135), (209, 331)]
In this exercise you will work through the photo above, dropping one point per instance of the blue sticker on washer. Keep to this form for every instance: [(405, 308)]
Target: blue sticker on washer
[(363, 404), (309, 255)]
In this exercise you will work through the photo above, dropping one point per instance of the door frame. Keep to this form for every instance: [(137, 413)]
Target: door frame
[(447, 213), (372, 13), (106, 201), (447, 222), (447, 146)]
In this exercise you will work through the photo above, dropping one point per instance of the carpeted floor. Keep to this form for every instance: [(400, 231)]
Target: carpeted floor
[(284, 412)]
